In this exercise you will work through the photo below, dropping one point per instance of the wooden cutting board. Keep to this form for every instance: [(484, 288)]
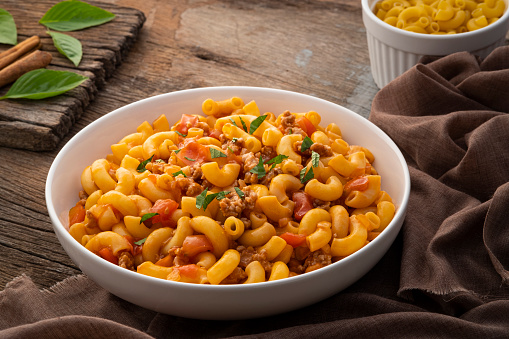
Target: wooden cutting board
[(39, 125)]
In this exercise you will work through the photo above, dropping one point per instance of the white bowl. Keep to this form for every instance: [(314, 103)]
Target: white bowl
[(392, 51), (221, 301)]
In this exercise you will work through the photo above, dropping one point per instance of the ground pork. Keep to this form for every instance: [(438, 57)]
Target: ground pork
[(126, 260)]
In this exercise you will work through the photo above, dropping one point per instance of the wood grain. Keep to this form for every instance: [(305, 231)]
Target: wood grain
[(40, 125), (313, 47)]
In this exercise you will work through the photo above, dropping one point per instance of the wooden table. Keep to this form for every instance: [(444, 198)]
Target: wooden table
[(313, 47)]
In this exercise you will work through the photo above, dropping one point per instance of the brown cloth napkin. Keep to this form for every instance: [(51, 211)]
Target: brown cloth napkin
[(444, 277)]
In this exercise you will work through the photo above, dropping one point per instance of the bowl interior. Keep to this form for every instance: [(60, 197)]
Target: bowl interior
[(93, 142)]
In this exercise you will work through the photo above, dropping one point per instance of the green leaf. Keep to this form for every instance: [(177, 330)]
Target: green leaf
[(190, 159), (214, 153), (178, 173), (244, 127), (147, 216), (233, 122), (182, 135), (315, 157), (221, 195), (256, 123), (68, 46), (239, 192), (177, 151), (306, 143), (277, 160), (74, 15), (141, 167), (43, 83), (140, 242), (8, 32), (305, 177), (259, 169)]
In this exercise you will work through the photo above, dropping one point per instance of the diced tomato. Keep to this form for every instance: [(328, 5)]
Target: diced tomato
[(193, 153), (295, 240), (107, 253), (215, 133), (166, 261), (194, 244), (76, 214), (303, 203), (306, 125), (164, 208), (188, 271), (357, 184), (186, 122)]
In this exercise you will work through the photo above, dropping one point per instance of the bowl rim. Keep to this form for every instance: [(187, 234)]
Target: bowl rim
[(449, 43), (61, 230)]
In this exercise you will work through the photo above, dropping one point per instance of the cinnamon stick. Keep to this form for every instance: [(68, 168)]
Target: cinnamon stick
[(34, 60), (13, 53)]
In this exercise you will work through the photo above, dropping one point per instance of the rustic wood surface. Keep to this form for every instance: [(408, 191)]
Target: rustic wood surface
[(40, 125), (313, 47)]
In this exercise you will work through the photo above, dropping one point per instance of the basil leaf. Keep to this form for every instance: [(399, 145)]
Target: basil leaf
[(68, 46), (182, 135), (214, 153), (8, 31), (259, 169), (177, 151), (306, 143), (256, 123), (244, 127), (200, 199), (74, 15), (305, 177), (178, 173), (147, 216), (229, 149), (43, 83), (239, 192), (140, 242), (221, 195), (233, 122), (315, 157), (190, 159), (277, 160), (141, 167)]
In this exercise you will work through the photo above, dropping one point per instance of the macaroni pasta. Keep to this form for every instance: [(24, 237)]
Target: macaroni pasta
[(232, 196)]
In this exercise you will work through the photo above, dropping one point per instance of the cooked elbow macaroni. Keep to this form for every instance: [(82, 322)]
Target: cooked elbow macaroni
[(440, 16), (232, 197)]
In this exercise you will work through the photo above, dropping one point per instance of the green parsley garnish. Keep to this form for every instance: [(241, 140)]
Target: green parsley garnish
[(277, 160), (315, 158), (147, 216), (189, 159), (141, 167), (140, 242), (233, 122), (259, 169), (204, 199), (182, 135), (244, 127), (178, 173), (176, 151), (239, 192), (306, 143), (256, 123), (214, 153), (305, 177)]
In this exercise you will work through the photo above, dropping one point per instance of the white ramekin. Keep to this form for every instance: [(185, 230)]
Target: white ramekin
[(392, 51)]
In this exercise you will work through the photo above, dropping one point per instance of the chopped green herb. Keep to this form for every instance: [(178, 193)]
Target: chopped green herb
[(290, 131), (233, 122), (204, 199), (182, 135), (305, 177), (235, 139), (244, 127), (306, 143), (140, 242), (141, 167), (147, 216), (277, 160), (221, 195), (200, 199), (230, 150), (176, 151), (190, 159), (214, 153), (256, 123), (239, 192), (259, 169), (178, 173), (315, 157)]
